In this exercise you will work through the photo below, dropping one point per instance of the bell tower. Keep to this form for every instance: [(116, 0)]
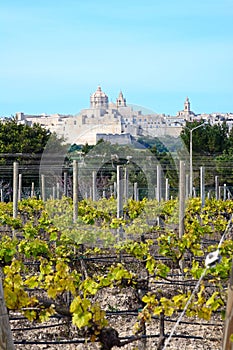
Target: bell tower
[(187, 105), (121, 101)]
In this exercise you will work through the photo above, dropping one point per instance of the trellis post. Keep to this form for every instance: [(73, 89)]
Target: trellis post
[(15, 189), (75, 190), (181, 198)]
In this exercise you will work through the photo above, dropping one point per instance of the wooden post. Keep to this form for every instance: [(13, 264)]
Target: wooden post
[(181, 198), (6, 340), (15, 189), (75, 190), (202, 185), (20, 188), (43, 188), (228, 328)]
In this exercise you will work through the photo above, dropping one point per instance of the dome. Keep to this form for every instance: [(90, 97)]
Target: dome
[(99, 99), (99, 93)]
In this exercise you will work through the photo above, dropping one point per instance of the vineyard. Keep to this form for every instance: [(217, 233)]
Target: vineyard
[(105, 282)]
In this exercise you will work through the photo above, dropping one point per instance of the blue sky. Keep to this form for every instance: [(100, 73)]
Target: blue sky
[(54, 53)]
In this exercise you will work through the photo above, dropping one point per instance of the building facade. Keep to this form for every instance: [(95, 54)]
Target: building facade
[(117, 118)]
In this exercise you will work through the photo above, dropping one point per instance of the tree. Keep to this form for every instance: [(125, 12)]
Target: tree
[(24, 139), (212, 148), (25, 144), (209, 140)]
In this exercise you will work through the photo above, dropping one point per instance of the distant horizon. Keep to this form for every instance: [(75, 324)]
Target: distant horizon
[(54, 54)]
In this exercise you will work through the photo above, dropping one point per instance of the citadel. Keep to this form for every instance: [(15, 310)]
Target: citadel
[(117, 122)]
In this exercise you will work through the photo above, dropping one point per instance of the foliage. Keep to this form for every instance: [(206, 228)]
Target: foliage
[(45, 235)]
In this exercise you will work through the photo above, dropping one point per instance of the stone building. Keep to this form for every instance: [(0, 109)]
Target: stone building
[(108, 118)]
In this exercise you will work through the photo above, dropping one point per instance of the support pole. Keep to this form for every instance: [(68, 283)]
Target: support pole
[(75, 190), (202, 185), (20, 188), (181, 198), (33, 190), (94, 197), (119, 191), (65, 192), (135, 191), (126, 185), (166, 189), (54, 192), (187, 192), (43, 188), (15, 189), (58, 190), (224, 192), (115, 189), (158, 192), (216, 187)]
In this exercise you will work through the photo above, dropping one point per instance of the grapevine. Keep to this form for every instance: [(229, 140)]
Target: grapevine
[(44, 234)]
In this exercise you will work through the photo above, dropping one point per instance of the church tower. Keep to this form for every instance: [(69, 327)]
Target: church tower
[(99, 99), (187, 105), (121, 101)]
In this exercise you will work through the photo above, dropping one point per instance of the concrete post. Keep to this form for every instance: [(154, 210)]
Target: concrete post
[(202, 186), (224, 192), (75, 190), (54, 192), (119, 191), (181, 198), (65, 176), (15, 189), (43, 188), (167, 189), (58, 190), (216, 187), (94, 194), (187, 191), (158, 192), (135, 191), (20, 187), (126, 185), (33, 190)]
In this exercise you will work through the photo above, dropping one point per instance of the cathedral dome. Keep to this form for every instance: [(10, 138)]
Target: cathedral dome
[(99, 99)]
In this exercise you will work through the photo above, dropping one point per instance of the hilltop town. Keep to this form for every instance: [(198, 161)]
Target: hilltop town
[(118, 122)]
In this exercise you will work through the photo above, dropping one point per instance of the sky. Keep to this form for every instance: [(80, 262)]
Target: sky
[(54, 54)]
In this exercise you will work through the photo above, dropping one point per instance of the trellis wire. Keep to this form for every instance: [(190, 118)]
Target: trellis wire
[(197, 286)]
